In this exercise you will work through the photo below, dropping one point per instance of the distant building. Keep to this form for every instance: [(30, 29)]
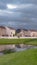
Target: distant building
[(26, 33), (7, 31), (2, 31), (33, 33), (10, 31), (23, 33)]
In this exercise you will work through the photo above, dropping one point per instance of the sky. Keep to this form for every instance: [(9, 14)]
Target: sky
[(18, 13)]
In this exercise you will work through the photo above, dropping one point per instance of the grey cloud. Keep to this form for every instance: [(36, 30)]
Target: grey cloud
[(19, 1), (22, 17), (2, 5)]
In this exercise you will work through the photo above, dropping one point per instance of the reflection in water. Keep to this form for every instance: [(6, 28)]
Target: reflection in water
[(20, 49)]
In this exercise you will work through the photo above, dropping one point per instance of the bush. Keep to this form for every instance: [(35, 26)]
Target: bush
[(7, 51)]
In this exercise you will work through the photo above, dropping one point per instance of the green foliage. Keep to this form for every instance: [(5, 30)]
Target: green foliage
[(7, 51)]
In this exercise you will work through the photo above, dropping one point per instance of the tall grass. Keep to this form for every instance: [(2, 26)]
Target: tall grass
[(18, 41)]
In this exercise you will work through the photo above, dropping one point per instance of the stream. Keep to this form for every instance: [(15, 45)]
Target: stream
[(21, 49), (26, 48)]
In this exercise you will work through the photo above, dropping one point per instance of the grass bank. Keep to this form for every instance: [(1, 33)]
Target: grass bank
[(28, 57), (18, 41)]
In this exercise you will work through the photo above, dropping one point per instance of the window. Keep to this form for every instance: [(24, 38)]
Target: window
[(11, 32)]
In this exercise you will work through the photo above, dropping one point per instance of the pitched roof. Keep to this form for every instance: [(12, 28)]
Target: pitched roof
[(11, 28), (2, 27), (19, 30), (32, 30)]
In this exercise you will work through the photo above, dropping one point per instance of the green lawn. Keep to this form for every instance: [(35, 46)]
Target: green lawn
[(28, 57), (18, 41)]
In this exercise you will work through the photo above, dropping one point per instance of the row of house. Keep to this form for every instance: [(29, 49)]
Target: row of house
[(10, 32), (26, 33)]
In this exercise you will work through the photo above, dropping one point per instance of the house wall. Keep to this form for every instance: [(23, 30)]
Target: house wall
[(10, 32), (27, 33), (34, 34), (2, 32)]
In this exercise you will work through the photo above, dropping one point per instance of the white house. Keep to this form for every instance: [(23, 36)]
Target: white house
[(7, 31), (10, 31), (33, 33)]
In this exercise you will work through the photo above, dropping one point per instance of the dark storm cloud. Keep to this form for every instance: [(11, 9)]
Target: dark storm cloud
[(19, 1), (2, 5), (23, 16), (4, 2)]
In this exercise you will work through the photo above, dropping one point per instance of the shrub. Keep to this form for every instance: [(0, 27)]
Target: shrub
[(7, 51)]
